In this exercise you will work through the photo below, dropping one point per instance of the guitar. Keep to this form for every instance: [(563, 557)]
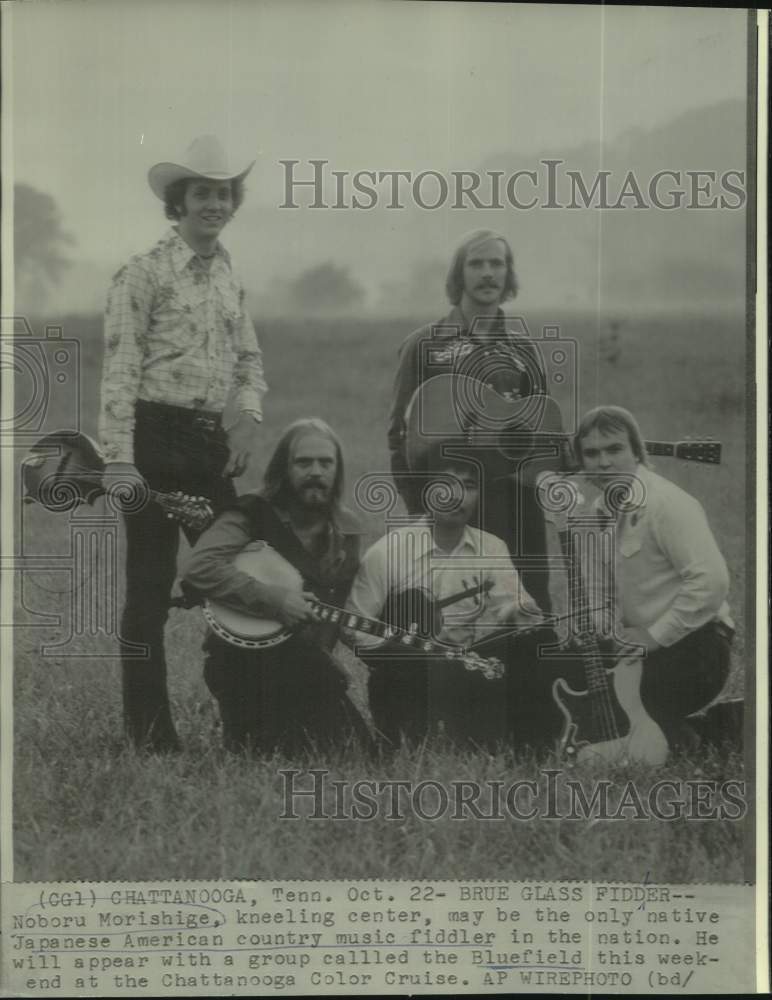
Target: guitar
[(247, 631), (523, 434), (469, 417), (606, 721), (65, 469)]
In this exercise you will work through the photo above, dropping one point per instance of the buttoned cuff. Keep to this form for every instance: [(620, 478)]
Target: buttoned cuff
[(666, 632), (118, 451)]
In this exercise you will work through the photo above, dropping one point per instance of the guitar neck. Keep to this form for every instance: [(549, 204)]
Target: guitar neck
[(580, 615), (660, 447)]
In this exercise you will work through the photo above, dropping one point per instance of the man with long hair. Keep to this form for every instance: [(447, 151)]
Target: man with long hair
[(476, 339), (291, 696), (179, 347)]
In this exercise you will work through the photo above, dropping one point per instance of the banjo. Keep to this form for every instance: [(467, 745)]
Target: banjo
[(247, 631)]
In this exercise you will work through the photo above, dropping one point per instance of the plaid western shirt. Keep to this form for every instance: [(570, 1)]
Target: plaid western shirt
[(176, 332)]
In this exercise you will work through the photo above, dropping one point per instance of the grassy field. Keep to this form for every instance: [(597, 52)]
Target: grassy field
[(86, 807)]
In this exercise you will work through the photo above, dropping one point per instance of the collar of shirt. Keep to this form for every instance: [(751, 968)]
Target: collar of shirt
[(470, 542), (182, 253), (457, 324), (642, 486)]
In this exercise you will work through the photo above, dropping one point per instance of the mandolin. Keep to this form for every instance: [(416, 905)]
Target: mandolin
[(66, 469)]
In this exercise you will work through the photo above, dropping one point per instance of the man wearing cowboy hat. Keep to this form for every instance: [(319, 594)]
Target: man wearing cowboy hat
[(179, 347)]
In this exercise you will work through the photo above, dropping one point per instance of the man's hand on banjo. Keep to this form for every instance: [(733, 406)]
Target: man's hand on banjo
[(294, 608)]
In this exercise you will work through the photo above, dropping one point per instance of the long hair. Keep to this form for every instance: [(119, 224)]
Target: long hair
[(174, 196), (276, 486), (610, 419), (454, 283)]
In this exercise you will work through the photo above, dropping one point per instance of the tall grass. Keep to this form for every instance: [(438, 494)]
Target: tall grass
[(87, 807)]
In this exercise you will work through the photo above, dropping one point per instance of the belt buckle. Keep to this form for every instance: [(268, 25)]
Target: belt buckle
[(205, 423)]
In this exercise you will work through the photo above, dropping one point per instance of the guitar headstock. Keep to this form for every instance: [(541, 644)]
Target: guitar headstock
[(490, 667), (701, 450), (193, 512), (705, 450)]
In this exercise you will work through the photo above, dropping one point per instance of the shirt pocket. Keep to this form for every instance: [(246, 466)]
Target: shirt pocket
[(630, 545), (179, 318), (229, 307)]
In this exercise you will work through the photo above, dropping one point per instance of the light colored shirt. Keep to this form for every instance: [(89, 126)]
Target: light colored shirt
[(671, 578), (407, 558), (176, 332)]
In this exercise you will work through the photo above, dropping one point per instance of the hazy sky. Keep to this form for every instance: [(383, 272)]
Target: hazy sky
[(101, 90)]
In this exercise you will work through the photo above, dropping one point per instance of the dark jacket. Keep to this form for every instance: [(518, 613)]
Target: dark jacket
[(210, 572), (509, 360)]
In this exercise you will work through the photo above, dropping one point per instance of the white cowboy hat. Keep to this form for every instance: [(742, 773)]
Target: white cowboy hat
[(205, 157)]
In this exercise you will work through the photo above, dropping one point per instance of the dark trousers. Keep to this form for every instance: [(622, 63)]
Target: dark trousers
[(677, 681), (290, 698), (685, 677), (174, 449), (414, 698), (511, 512)]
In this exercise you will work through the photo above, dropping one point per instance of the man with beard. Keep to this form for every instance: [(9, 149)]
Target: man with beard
[(476, 339), (291, 696)]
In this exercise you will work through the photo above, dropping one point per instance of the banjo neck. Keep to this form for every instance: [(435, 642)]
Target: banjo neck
[(382, 630), (247, 631)]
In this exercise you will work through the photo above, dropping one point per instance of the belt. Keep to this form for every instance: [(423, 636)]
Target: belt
[(205, 420)]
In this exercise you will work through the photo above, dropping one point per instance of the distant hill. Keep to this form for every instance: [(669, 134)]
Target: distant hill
[(627, 260)]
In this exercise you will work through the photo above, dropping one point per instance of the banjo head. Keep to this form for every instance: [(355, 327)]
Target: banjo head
[(240, 629)]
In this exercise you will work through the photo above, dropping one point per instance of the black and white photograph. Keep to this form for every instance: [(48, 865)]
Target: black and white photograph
[(382, 484)]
